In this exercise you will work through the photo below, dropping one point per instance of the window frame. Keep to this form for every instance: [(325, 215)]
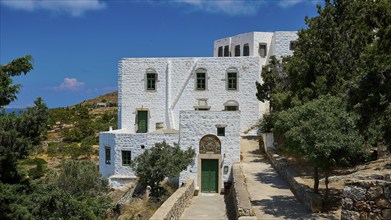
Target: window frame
[(150, 72), (107, 155), (220, 51), (246, 53), (126, 161), (229, 78), (205, 79), (226, 51), (237, 50), (292, 45), (220, 131), (265, 51)]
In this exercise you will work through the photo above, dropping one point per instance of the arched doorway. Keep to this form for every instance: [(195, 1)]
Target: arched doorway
[(209, 161)]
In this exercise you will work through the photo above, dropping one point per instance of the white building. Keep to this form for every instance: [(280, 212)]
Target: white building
[(205, 103)]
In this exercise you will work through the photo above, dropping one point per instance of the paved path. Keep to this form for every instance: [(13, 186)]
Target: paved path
[(270, 195), (206, 206)]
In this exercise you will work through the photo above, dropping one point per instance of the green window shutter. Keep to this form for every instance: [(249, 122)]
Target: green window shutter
[(201, 81), (142, 121), (151, 81), (126, 157), (232, 81)]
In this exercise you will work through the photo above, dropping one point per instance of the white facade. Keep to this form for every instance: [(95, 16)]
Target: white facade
[(187, 101)]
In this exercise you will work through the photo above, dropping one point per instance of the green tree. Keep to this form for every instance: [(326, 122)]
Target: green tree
[(19, 133), (160, 161), (16, 67), (322, 132)]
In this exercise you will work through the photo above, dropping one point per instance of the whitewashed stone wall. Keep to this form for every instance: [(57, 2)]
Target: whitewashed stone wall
[(252, 39), (119, 140), (282, 42), (196, 124), (176, 89)]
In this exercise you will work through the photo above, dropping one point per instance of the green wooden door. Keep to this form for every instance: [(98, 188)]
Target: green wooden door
[(142, 121), (209, 175)]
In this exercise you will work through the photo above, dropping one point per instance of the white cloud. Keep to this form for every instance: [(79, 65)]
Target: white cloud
[(288, 3), (235, 7), (232, 7), (70, 84), (73, 7)]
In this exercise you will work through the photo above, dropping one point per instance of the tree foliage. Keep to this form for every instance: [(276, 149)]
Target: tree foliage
[(159, 162), (77, 192), (323, 132), (16, 67), (343, 54)]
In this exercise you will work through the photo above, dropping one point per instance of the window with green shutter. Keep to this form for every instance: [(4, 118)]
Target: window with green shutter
[(201, 81), (232, 81), (151, 81), (126, 157)]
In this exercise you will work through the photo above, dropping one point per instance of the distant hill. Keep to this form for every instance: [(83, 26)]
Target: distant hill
[(109, 98)]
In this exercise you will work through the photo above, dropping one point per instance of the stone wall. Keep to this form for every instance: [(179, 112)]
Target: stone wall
[(196, 124), (366, 199), (119, 140), (175, 89), (174, 206), (239, 194), (311, 200)]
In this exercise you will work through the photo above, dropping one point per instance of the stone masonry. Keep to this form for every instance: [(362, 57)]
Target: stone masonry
[(366, 199)]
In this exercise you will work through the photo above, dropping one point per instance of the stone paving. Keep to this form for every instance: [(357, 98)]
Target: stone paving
[(206, 206), (270, 195)]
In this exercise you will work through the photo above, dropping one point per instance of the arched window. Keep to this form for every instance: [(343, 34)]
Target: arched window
[(201, 79), (231, 105), (150, 79)]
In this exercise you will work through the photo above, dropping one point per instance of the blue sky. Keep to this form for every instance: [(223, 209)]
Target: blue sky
[(77, 44)]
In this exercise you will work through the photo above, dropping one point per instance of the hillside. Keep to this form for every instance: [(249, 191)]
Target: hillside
[(106, 98)]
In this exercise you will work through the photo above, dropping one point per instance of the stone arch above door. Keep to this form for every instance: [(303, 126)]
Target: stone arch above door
[(210, 144)]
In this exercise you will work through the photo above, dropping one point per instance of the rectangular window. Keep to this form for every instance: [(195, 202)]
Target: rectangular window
[(221, 131), (237, 50), (231, 108), (107, 155), (226, 51), (220, 52), (201, 81), (126, 157), (262, 50), (151, 81), (292, 45), (232, 81), (246, 50)]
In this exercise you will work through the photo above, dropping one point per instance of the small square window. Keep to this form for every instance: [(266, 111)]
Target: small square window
[(232, 81), (107, 155), (246, 50), (126, 158), (221, 131), (292, 45), (262, 50), (220, 52), (151, 81), (201, 81)]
